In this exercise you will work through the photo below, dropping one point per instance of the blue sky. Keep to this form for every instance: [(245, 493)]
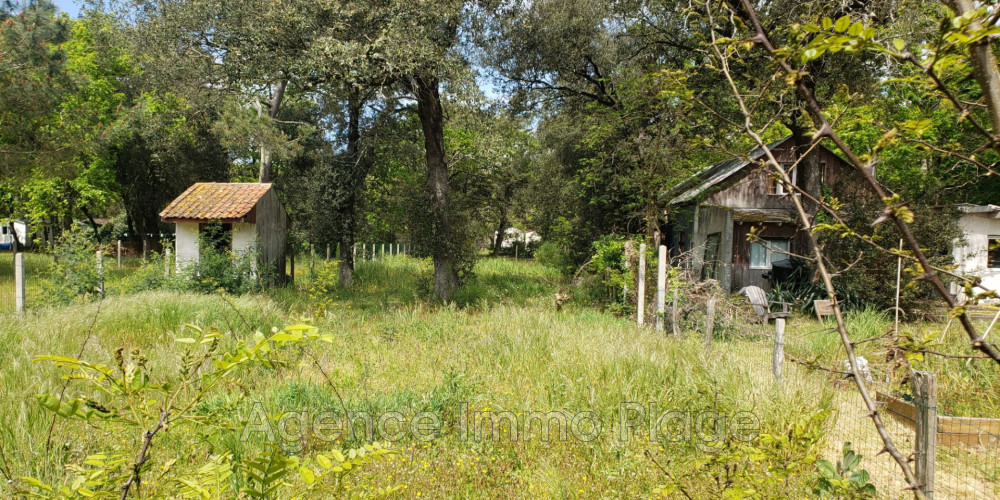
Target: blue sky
[(68, 6)]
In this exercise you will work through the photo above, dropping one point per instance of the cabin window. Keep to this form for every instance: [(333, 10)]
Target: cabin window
[(767, 251), (778, 187), (993, 254), (3, 229)]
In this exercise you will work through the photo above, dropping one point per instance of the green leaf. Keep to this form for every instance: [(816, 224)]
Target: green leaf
[(856, 29), (307, 475), (185, 340), (827, 23), (899, 44), (48, 401), (826, 468), (842, 24)]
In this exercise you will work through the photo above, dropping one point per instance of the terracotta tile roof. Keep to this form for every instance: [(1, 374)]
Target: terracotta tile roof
[(215, 201)]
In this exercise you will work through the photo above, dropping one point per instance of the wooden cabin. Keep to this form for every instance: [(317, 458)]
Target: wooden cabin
[(711, 213), (241, 217)]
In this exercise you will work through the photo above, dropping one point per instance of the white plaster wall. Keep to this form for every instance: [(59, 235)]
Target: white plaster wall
[(186, 244), (972, 258), (245, 240)]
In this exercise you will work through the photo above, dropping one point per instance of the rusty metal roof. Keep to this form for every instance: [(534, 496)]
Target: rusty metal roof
[(215, 201)]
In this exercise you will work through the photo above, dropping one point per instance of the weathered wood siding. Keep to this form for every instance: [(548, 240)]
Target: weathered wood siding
[(709, 221), (752, 188), (272, 232), (742, 274)]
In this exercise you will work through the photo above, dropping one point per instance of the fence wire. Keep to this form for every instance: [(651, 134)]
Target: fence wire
[(966, 461)]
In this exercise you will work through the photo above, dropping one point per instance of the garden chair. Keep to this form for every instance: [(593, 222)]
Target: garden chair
[(761, 306)]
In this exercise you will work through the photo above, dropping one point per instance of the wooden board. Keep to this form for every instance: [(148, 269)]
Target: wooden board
[(952, 431)]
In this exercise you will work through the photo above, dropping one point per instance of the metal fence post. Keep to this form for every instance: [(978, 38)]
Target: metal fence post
[(779, 348), (19, 294), (640, 298), (661, 287), (925, 445)]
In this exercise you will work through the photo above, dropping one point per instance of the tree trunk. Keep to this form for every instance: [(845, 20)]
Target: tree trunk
[(272, 113), (432, 122), (356, 178), (984, 64), (93, 224), (498, 241)]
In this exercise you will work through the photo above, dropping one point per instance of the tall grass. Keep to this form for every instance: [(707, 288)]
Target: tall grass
[(499, 346)]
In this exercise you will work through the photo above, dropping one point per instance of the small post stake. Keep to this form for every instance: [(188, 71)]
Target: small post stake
[(779, 348), (119, 254), (144, 248), (661, 287), (328, 252), (166, 262), (709, 322), (925, 445), (19, 294), (640, 298), (312, 258)]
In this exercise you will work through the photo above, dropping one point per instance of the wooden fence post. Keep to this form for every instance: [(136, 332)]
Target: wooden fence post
[(100, 272), (312, 258), (673, 316), (19, 294), (661, 287), (144, 248), (709, 322), (779, 348), (925, 445), (119, 254), (292, 264), (328, 252), (640, 298)]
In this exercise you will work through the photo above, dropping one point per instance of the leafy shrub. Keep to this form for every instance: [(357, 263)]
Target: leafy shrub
[(216, 268), (872, 279), (551, 254), (74, 273), (125, 394)]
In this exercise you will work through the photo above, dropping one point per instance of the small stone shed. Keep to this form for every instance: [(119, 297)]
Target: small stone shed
[(980, 254), (241, 217)]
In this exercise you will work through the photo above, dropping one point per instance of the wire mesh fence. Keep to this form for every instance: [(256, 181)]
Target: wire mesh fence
[(36, 266), (956, 457)]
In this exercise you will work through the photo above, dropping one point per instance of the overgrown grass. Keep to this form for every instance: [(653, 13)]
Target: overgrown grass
[(966, 387), (500, 346)]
